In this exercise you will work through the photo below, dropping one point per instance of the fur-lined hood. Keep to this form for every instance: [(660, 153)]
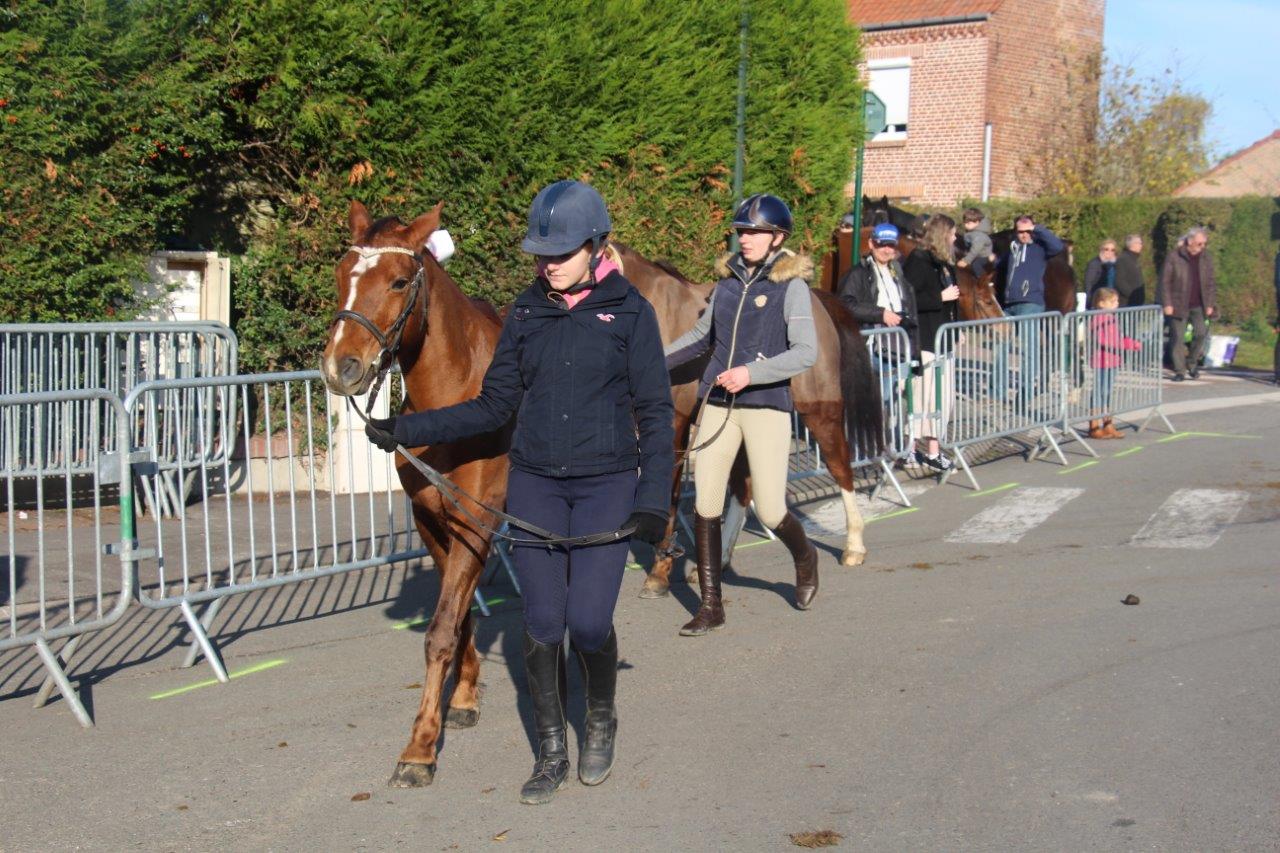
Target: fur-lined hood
[(785, 266)]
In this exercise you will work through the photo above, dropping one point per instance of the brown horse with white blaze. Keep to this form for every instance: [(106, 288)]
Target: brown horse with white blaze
[(397, 301)]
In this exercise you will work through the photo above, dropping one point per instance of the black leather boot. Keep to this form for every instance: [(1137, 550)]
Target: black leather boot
[(544, 667), (706, 538), (805, 556), (600, 673)]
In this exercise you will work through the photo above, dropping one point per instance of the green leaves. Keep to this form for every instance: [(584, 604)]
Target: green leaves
[(247, 126)]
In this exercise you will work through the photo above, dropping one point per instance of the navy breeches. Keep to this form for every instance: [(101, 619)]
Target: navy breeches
[(574, 589)]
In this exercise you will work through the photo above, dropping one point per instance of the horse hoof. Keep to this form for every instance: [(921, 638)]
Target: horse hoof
[(655, 589), (461, 718), (412, 775), (853, 558)]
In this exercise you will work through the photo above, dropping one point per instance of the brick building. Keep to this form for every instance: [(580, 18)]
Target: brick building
[(980, 94)]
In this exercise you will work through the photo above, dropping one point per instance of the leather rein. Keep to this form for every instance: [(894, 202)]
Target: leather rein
[(390, 344)]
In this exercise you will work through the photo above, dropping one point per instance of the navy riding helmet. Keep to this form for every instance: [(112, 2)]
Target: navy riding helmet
[(563, 216), (763, 212)]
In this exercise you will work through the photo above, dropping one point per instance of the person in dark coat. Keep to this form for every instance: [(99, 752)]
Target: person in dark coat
[(1276, 355), (930, 270), (1189, 292), (1129, 283), (876, 292), (1101, 270), (579, 365)]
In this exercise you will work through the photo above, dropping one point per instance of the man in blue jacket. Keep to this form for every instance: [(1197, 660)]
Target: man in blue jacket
[(1022, 273)]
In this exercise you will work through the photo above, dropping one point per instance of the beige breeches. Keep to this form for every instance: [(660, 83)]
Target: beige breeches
[(767, 435)]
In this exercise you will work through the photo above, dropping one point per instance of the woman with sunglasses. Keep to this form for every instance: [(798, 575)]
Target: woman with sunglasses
[(759, 328), (579, 365)]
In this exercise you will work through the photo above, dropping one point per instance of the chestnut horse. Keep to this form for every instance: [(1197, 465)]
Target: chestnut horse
[(444, 342), (840, 388)]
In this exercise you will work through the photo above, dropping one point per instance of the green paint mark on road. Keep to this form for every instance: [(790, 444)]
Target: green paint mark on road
[(894, 514), (1078, 467), (248, 670), (991, 491), (1128, 452), (1177, 436), (421, 620), (754, 544)]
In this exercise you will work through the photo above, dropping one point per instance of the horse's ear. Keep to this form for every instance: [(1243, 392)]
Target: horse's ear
[(358, 219), (420, 229)]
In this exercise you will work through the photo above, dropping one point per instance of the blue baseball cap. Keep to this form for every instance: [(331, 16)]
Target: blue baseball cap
[(885, 233)]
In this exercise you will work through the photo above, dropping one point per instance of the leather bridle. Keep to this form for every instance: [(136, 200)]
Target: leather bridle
[(391, 339)]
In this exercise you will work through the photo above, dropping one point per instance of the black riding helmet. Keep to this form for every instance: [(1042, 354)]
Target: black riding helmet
[(763, 212)]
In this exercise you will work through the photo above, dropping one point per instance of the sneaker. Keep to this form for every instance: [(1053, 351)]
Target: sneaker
[(1194, 374), (1178, 377), (937, 463)]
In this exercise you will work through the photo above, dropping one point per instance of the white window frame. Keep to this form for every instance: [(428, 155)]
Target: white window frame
[(898, 129)]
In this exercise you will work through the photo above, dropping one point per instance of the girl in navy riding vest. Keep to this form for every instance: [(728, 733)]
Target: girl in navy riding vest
[(579, 365), (759, 328)]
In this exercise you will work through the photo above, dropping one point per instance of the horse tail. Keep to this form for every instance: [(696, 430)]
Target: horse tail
[(859, 388)]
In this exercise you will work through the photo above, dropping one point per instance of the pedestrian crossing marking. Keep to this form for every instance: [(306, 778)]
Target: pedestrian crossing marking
[(1191, 518), (1008, 520), (828, 518)]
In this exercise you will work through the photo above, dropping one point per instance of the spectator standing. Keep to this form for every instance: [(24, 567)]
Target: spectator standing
[(1022, 274), (877, 293), (1109, 344), (977, 241), (1276, 355), (1129, 285), (930, 273), (1189, 292), (1101, 270)]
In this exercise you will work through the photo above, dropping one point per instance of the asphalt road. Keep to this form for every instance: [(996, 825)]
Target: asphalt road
[(978, 684)]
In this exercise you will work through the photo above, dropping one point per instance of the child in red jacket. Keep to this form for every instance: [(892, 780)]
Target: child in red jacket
[(1108, 347)]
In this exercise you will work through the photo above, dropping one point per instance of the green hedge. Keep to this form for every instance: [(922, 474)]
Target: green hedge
[(266, 116), (1243, 238)]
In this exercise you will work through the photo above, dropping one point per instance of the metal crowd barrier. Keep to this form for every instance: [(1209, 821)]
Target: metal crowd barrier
[(64, 582), (270, 512), (1114, 364), (1006, 375), (115, 357), (1024, 374)]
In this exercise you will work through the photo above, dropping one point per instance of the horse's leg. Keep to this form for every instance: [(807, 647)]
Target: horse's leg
[(826, 423), (459, 573), (464, 704), (658, 582)]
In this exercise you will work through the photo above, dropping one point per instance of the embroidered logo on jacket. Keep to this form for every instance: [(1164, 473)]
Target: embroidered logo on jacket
[(761, 300), (608, 318)]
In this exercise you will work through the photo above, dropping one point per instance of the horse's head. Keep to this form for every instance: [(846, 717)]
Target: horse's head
[(978, 295), (382, 294)]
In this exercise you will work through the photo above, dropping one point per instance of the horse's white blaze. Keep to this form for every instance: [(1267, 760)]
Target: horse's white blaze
[(1021, 511), (362, 266), (1191, 518)]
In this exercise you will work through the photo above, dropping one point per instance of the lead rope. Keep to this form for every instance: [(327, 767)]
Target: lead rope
[(454, 494)]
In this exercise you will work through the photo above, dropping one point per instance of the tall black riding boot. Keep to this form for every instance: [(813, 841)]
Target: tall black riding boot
[(600, 672), (706, 540), (805, 556), (544, 667)]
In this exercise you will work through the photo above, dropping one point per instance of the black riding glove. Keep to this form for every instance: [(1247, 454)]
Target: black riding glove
[(650, 527), (382, 433)]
